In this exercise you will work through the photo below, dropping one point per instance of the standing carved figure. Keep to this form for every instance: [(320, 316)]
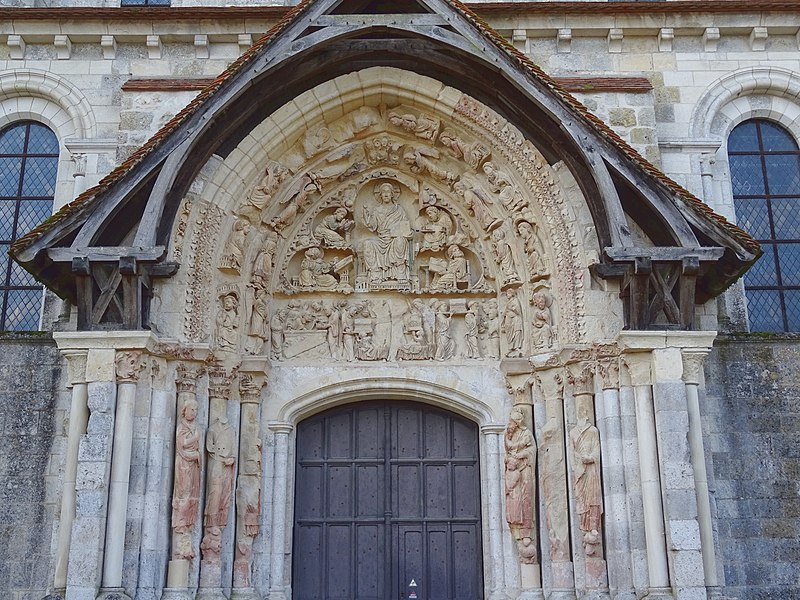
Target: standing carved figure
[(512, 324), (220, 445), (542, 335), (277, 326), (585, 439), (349, 333), (554, 481), (472, 323), (530, 243), (503, 257), (492, 329), (262, 267), (227, 330), (186, 493), (386, 257), (520, 483), (258, 329), (445, 345), (248, 499)]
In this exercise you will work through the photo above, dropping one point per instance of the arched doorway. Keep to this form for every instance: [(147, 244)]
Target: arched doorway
[(387, 493)]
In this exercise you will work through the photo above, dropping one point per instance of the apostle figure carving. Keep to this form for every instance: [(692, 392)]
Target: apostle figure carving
[(386, 257), (248, 500), (445, 344), (492, 332), (258, 329), (262, 267), (585, 439), (334, 229), (553, 478), (512, 324), (520, 484), (277, 338), (227, 329), (233, 254), (435, 226), (473, 325), (511, 198), (530, 242), (542, 334), (315, 272), (220, 445), (504, 258), (186, 492)]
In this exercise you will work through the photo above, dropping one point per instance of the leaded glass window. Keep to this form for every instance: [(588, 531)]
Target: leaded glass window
[(765, 174), (28, 164)]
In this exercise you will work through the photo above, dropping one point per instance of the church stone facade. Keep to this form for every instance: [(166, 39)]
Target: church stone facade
[(422, 300)]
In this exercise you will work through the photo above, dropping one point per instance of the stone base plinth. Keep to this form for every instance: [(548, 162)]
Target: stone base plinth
[(113, 594), (176, 594)]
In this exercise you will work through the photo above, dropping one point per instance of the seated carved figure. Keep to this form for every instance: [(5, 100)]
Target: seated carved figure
[(315, 272), (386, 257), (332, 229)]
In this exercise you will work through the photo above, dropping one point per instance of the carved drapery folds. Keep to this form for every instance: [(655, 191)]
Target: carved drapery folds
[(367, 209), (520, 485)]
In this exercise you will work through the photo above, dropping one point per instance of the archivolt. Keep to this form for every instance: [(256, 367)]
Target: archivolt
[(33, 83), (730, 89)]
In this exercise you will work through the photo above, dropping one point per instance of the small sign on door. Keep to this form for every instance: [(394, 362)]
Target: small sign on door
[(412, 592)]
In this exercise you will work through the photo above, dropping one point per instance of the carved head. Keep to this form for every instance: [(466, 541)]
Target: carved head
[(340, 214), (230, 301), (314, 253), (525, 230), (432, 212), (386, 192), (454, 252), (189, 411)]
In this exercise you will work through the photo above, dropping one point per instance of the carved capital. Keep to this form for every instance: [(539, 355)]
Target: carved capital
[(128, 366), (550, 382), (186, 378), (609, 373), (76, 365), (639, 367), (519, 388), (250, 387), (219, 381), (693, 365), (581, 377)]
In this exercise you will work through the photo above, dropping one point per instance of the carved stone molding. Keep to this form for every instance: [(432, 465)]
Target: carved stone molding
[(76, 365), (693, 365), (250, 387), (550, 380), (128, 366), (581, 377), (519, 388)]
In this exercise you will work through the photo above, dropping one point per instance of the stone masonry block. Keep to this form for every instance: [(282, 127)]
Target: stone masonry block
[(683, 535)]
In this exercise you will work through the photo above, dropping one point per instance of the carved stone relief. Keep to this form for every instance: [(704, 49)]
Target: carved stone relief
[(520, 485)]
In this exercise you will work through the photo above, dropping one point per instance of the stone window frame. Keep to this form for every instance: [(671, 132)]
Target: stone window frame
[(770, 93)]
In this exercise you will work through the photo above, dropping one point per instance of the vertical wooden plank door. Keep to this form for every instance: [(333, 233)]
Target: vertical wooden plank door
[(387, 494)]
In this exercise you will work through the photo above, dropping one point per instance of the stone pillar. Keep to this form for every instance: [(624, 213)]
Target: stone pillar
[(248, 486), (128, 365), (584, 440), (521, 487), (494, 510), (78, 418), (281, 431), (553, 476), (186, 482), (618, 547), (92, 477), (692, 371), (639, 368), (221, 450)]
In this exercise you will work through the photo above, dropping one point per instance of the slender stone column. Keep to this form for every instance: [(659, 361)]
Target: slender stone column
[(692, 370), (618, 547), (281, 431), (220, 470), (521, 496), (639, 368), (553, 474), (491, 443), (584, 439), (78, 418), (186, 482), (248, 486), (128, 365)]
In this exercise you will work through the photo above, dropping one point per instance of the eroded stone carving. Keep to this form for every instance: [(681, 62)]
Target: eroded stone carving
[(198, 294), (532, 247), (318, 274), (472, 153), (543, 332), (520, 485), (477, 202), (186, 489), (504, 258), (386, 256), (294, 203), (128, 366), (220, 445), (261, 196), (473, 322), (512, 324), (445, 344), (334, 230), (233, 253), (492, 332), (435, 226), (258, 328), (226, 334), (423, 126), (419, 323), (585, 440)]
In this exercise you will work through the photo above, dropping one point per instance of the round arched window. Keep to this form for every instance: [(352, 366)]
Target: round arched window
[(28, 165), (765, 174)]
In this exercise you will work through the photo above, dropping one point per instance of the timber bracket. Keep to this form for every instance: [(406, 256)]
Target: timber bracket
[(657, 285)]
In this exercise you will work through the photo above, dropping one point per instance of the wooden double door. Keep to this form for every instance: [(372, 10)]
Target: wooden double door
[(387, 505)]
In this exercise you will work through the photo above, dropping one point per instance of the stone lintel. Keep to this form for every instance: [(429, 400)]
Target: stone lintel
[(114, 340), (633, 341)]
